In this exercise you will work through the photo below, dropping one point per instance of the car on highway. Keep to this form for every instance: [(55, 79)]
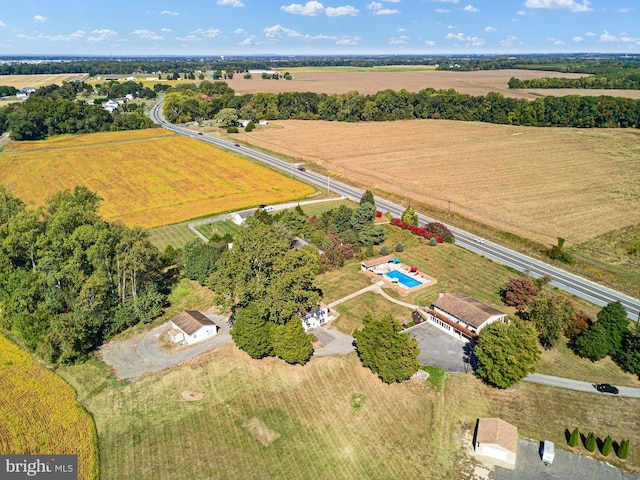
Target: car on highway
[(236, 145), (302, 169), (607, 388)]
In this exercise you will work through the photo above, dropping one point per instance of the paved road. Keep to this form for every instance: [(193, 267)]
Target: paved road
[(578, 385), (566, 466), (573, 284)]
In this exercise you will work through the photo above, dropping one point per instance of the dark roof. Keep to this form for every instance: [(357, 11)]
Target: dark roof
[(466, 308), (190, 321)]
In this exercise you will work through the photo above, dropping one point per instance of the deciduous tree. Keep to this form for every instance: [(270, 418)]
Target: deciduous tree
[(507, 352), (410, 216), (551, 314)]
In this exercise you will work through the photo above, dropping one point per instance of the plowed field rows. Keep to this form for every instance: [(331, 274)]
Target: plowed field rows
[(39, 413), (147, 178), (540, 183), (22, 81)]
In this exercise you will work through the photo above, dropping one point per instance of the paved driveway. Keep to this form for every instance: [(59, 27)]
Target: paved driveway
[(143, 353), (566, 465), (440, 349)]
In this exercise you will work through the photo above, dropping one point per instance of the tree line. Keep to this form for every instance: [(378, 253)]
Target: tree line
[(189, 104), (54, 110), (620, 79), (69, 280)]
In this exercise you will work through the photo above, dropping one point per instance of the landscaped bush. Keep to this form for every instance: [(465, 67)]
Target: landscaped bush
[(607, 446), (574, 438), (623, 449), (378, 214), (442, 235), (590, 442), (433, 242), (250, 127), (399, 247), (384, 250), (232, 130)]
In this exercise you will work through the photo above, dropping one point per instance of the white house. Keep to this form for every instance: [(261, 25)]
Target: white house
[(191, 326), (25, 92), (316, 317), (471, 313), (240, 217), (496, 442)]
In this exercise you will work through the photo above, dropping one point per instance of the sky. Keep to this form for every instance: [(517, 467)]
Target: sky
[(353, 27)]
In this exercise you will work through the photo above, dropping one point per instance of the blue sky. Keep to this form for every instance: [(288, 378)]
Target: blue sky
[(250, 27)]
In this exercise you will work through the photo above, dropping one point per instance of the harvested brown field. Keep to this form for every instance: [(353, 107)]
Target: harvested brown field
[(367, 83), (539, 183), (22, 81)]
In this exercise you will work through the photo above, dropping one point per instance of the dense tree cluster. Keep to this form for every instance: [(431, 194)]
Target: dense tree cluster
[(115, 89), (54, 110), (567, 111), (605, 336), (69, 280), (386, 350), (507, 352), (617, 79)]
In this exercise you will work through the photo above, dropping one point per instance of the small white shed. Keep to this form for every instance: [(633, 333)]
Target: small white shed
[(496, 441), (191, 326)]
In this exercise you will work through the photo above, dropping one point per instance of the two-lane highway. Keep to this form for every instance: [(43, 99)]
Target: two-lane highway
[(578, 286)]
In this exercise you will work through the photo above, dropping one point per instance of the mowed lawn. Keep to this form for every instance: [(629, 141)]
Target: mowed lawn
[(148, 178), (262, 419), (39, 413)]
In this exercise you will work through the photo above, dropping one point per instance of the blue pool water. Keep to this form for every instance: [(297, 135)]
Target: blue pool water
[(405, 280)]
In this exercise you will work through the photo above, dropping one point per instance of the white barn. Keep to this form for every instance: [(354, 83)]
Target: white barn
[(496, 442), (191, 326)]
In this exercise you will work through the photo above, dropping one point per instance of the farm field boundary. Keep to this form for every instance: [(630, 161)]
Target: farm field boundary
[(146, 178)]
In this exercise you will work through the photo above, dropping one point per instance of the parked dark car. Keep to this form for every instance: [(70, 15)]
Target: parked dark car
[(606, 388)]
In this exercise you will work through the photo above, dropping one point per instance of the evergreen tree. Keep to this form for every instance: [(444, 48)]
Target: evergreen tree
[(605, 336), (399, 247), (607, 446), (387, 351), (623, 449), (410, 216), (590, 442), (574, 438), (251, 332), (629, 356), (367, 197), (290, 342)]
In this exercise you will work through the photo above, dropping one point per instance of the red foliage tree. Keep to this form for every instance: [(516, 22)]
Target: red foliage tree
[(519, 292)]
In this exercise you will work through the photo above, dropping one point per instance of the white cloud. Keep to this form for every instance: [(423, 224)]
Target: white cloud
[(101, 35), (470, 8), (623, 37), (27, 37), (442, 10), (489, 29), (166, 30), (445, 1), (2, 24), (148, 34), (510, 41), (469, 40), (378, 10), (555, 41), (77, 35), (310, 9), (348, 41), (451, 27), (577, 39), (240, 31), (589, 34), (208, 33), (572, 5), (430, 43), (39, 19), (168, 12), (522, 13), (247, 42), (346, 10), (402, 40), (230, 3), (402, 30)]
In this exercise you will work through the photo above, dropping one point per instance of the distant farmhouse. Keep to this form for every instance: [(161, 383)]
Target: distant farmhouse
[(25, 92), (191, 326)]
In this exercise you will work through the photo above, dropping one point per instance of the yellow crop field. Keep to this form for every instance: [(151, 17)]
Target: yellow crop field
[(539, 183), (147, 178), (22, 81), (39, 413)]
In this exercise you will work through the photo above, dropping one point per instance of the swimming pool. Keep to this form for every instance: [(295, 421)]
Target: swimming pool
[(405, 280)]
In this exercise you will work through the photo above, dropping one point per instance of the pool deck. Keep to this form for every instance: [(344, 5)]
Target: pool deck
[(378, 272)]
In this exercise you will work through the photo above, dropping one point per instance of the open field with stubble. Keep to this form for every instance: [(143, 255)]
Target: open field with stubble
[(39, 413), (265, 419), (538, 183), (146, 177), (343, 80), (36, 81)]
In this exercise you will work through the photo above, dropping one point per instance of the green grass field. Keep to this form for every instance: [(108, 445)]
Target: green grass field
[(176, 235)]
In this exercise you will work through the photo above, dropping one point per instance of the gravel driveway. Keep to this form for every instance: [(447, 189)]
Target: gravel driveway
[(143, 353)]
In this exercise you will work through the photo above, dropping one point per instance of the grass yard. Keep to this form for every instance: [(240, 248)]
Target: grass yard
[(147, 178), (219, 228), (266, 419), (39, 413), (352, 311), (176, 235)]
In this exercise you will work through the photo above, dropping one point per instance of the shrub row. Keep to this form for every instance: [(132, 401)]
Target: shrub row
[(433, 230), (606, 446)]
